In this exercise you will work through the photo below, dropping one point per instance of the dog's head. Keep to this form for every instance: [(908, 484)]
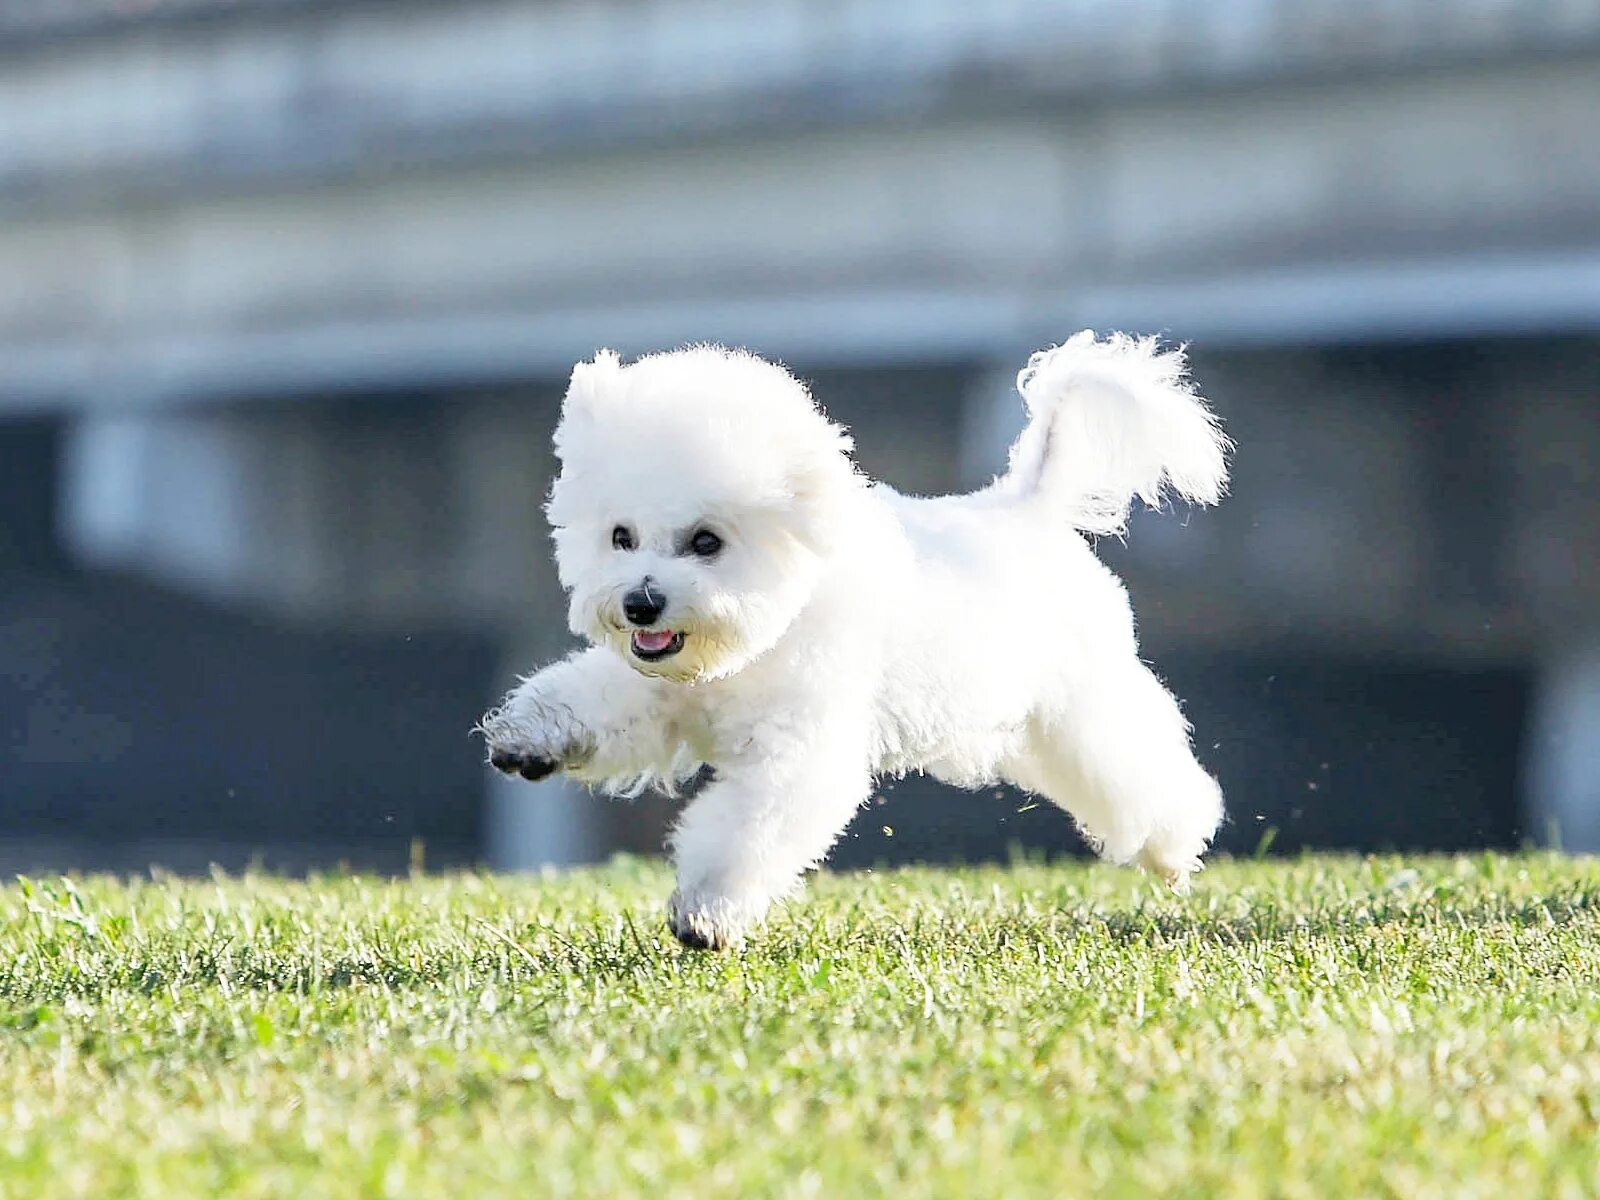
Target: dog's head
[(700, 493)]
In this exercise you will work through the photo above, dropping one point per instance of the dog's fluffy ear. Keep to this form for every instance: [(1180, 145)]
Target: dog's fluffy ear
[(590, 380), (820, 491)]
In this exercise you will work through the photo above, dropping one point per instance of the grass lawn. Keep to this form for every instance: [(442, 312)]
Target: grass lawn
[(1321, 1027)]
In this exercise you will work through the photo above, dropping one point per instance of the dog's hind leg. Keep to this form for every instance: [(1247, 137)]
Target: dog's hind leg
[(1118, 759)]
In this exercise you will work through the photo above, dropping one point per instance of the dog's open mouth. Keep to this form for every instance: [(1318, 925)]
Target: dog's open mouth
[(652, 645)]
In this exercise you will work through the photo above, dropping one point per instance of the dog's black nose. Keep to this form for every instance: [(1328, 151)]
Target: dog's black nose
[(644, 604)]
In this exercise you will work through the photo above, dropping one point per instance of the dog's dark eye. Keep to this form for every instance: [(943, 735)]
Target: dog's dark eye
[(622, 538), (705, 544)]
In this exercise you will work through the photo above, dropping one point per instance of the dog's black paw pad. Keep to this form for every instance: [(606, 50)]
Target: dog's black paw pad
[(692, 937), (530, 766), (535, 769)]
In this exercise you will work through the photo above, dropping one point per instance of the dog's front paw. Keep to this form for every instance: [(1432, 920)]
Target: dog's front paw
[(703, 921), (530, 745)]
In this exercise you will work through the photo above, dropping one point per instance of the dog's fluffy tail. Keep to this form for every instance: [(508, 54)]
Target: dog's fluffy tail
[(1110, 420)]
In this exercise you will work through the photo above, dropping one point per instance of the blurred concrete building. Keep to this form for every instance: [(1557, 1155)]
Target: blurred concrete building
[(288, 292)]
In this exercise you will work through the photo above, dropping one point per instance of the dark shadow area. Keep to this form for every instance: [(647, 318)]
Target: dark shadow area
[(1347, 754), (1358, 754), (144, 728), (30, 452)]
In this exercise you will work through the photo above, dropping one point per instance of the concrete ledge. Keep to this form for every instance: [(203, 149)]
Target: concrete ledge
[(1489, 295)]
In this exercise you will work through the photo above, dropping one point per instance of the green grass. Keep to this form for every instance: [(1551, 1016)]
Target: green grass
[(1323, 1027)]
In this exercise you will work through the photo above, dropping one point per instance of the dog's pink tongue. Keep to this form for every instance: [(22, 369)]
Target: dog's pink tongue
[(653, 640)]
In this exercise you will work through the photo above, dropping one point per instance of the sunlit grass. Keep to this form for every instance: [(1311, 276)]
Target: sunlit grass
[(1321, 1027)]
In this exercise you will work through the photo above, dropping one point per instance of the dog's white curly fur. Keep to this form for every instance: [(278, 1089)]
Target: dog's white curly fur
[(844, 631)]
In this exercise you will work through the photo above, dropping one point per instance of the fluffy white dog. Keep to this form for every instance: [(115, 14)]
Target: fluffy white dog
[(755, 604)]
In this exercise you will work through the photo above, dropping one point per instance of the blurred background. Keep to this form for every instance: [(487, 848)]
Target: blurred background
[(289, 290)]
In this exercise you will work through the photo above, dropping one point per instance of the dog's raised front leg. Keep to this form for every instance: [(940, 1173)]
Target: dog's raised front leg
[(747, 839), (590, 715)]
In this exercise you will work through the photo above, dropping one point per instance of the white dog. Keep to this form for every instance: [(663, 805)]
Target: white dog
[(755, 604)]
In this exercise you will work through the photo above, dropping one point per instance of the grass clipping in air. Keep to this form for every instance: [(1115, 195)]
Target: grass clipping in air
[(1320, 1027)]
